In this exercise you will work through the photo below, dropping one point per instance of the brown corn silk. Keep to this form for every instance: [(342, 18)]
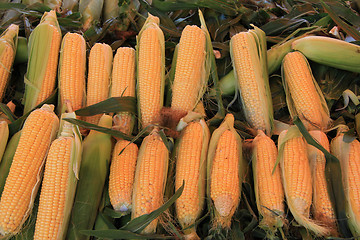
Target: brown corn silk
[(122, 173), (190, 73), (348, 153), (23, 180), (98, 82), (269, 190), (72, 68), (191, 152), (322, 208), (8, 43), (225, 172), (296, 177), (303, 95), (150, 178), (150, 72), (123, 85)]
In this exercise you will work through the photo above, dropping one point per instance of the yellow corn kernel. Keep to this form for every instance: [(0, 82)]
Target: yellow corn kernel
[(303, 93), (150, 80), (190, 168), (44, 44), (123, 84), (353, 178), (322, 208), (122, 173), (24, 176), (72, 71), (189, 72), (100, 63), (224, 178), (150, 178), (8, 42), (269, 190), (250, 79), (4, 135)]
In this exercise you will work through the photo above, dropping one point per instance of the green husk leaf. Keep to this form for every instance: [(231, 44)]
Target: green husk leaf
[(110, 105), (93, 172), (90, 11), (112, 213), (138, 224), (8, 113), (123, 234)]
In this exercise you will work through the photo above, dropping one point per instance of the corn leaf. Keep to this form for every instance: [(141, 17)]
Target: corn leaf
[(121, 234), (6, 110)]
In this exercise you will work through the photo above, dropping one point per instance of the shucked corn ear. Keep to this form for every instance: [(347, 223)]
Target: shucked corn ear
[(296, 177), (348, 154), (225, 172), (303, 95), (8, 43), (123, 84), (269, 191), (122, 173), (330, 51), (72, 67), (93, 171), (191, 153), (150, 52), (248, 54), (191, 70), (98, 82), (24, 177), (322, 209), (150, 178), (59, 182), (43, 48)]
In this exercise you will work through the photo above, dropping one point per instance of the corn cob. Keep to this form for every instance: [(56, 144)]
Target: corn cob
[(150, 178), (269, 190), (303, 95), (151, 71), (90, 11), (296, 177), (191, 152), (225, 172), (123, 84), (348, 154), (190, 73), (19, 192), (100, 62), (72, 68), (330, 51), (4, 135), (44, 44), (93, 171), (59, 183), (248, 54), (122, 172), (322, 209), (8, 44)]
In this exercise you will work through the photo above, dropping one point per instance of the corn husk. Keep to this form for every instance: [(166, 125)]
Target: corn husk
[(90, 11)]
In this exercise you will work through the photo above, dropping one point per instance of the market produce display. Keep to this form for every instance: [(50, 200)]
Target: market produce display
[(175, 119)]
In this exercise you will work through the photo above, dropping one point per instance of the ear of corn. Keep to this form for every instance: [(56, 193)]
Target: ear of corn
[(123, 84), (90, 11), (248, 54), (348, 154), (98, 82), (296, 176), (191, 70), (8, 44), (268, 187), (303, 95), (322, 209), (191, 153), (122, 173), (43, 48), (19, 192), (72, 66), (59, 182), (93, 171), (4, 135), (330, 51), (150, 53), (225, 172), (150, 178)]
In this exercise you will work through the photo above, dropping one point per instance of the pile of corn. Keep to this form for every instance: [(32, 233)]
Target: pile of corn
[(73, 170)]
